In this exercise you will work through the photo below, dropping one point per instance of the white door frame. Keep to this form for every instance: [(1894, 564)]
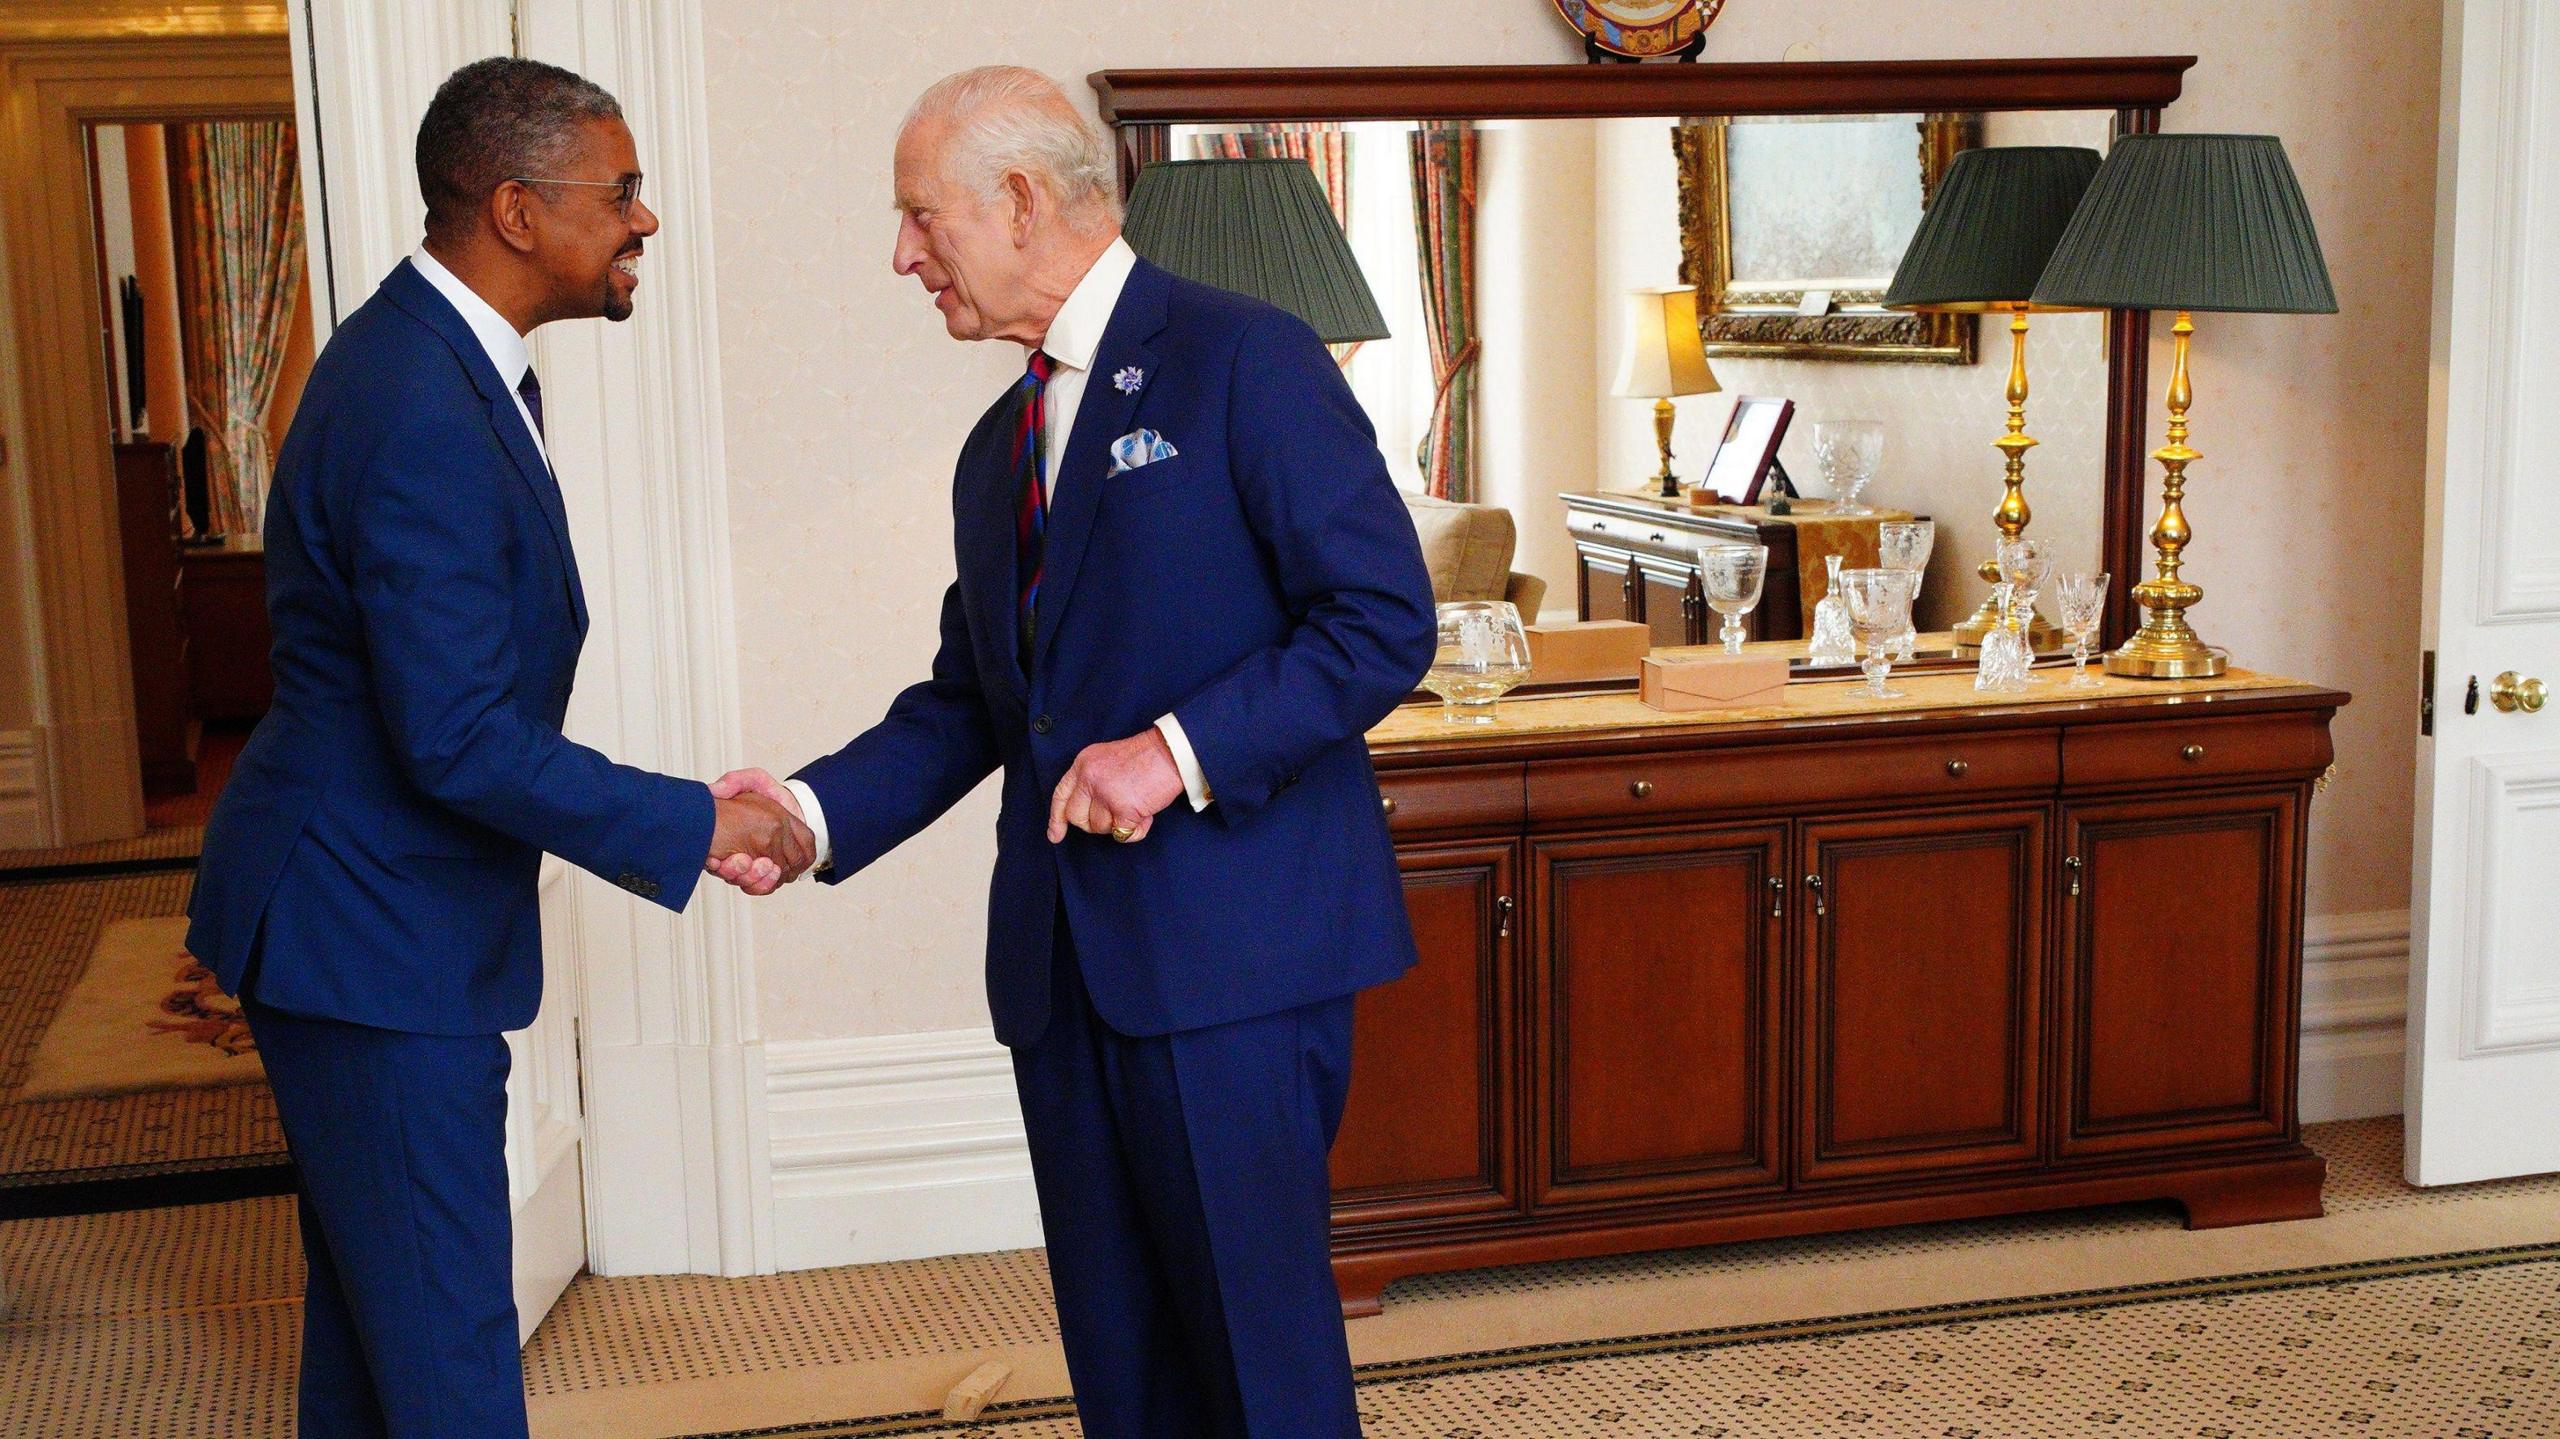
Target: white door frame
[(2483, 1064), (677, 1169)]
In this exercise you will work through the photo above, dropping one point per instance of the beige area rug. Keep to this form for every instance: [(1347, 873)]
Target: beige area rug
[(144, 1016), (180, 1324), (47, 933)]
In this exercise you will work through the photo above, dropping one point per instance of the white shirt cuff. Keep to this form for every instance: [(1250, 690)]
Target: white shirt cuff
[(1194, 783), (815, 816)]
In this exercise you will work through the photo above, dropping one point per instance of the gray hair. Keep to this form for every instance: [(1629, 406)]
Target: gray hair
[(1004, 120), (496, 120)]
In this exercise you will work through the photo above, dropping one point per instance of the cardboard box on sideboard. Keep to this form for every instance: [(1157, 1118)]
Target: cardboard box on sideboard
[(1713, 682), (1586, 650)]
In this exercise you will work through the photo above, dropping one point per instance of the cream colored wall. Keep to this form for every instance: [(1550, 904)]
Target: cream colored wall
[(1538, 414), (846, 402)]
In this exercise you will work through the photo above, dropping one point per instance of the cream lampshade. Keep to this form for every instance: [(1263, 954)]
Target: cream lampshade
[(1663, 358)]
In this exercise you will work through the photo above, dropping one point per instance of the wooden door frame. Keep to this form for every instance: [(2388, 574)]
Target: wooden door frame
[(62, 67)]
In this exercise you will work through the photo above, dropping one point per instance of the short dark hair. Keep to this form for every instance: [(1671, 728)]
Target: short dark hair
[(496, 120)]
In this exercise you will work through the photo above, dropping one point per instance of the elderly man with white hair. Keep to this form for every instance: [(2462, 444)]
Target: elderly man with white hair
[(1186, 589)]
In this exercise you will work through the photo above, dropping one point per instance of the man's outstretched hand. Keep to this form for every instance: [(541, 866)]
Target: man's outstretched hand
[(758, 842)]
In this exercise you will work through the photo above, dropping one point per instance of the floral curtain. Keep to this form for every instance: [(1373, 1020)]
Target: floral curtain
[(236, 193), (1444, 208), (1325, 148)]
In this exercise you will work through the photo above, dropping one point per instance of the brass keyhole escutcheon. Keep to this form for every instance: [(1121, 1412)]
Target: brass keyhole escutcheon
[(2511, 692)]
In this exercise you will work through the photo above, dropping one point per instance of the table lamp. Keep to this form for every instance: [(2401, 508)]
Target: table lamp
[(1981, 246), (1257, 227), (1663, 357), (2186, 223)]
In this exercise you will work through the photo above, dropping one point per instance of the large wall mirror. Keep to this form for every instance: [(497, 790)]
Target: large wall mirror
[(1785, 193)]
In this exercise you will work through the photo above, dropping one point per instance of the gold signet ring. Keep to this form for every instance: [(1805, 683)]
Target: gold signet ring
[(1123, 833)]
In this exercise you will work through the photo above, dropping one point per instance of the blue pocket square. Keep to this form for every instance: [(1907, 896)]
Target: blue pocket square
[(1140, 447)]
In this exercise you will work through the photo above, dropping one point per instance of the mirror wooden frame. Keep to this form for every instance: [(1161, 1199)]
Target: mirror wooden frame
[(1143, 106)]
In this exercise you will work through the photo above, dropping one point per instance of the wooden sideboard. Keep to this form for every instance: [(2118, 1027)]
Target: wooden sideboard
[(1697, 978), (1635, 557)]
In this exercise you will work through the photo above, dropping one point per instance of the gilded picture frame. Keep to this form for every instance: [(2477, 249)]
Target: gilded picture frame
[(1758, 315)]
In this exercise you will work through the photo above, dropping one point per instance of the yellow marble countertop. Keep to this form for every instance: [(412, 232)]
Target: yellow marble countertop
[(1943, 691)]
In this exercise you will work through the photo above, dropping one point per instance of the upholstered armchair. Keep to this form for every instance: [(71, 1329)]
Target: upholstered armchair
[(1468, 550)]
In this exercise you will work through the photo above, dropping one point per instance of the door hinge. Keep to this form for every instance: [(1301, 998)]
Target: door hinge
[(2427, 694)]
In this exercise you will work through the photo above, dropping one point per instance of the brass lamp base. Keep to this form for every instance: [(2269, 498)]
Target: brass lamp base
[(2201, 663)]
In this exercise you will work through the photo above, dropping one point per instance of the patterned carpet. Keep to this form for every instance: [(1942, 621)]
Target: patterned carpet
[(47, 930), (181, 1324)]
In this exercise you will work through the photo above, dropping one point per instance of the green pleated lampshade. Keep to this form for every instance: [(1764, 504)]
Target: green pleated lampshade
[(2192, 222), (1984, 241), (1260, 228)]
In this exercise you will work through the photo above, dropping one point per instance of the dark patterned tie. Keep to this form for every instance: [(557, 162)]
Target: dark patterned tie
[(530, 388), (1031, 515)]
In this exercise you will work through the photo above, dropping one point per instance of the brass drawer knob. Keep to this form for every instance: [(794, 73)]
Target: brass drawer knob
[(1641, 789), (1387, 803), (1958, 769), (2192, 753)]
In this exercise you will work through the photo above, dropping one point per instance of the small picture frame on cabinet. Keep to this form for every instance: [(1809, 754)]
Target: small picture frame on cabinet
[(1748, 451)]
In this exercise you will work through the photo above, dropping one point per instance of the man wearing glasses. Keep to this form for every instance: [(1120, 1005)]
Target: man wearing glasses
[(368, 880)]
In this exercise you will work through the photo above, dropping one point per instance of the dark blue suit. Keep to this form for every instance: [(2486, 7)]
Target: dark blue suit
[(1179, 1008), (368, 880)]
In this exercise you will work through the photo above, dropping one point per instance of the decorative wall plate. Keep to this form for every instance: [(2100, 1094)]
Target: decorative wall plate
[(1640, 29)]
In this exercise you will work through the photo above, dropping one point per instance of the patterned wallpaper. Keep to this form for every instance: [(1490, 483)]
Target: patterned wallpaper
[(846, 401)]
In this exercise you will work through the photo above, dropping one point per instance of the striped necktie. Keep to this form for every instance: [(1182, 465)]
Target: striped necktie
[(1031, 515)]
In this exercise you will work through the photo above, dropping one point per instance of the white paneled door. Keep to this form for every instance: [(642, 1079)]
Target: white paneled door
[(2484, 1065)]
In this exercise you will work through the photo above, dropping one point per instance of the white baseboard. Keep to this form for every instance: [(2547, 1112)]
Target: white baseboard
[(2355, 1010), (22, 823), (908, 1146), (898, 1147)]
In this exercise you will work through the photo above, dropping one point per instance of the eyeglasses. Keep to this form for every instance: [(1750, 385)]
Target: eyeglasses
[(627, 190)]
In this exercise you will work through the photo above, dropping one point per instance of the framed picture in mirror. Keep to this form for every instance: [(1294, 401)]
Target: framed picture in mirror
[(1791, 226), (1739, 471)]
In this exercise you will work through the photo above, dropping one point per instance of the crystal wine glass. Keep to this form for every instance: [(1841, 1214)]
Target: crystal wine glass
[(1905, 545), (1880, 608), (2082, 600), (1848, 451), (1731, 576), (1483, 653), (2025, 564)]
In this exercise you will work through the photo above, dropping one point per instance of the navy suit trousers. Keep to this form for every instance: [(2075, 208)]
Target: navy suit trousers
[(1185, 1200), (409, 1312)]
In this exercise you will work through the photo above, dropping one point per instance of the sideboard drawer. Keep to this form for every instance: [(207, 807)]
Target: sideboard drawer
[(2288, 744), (1464, 798), (1957, 766)]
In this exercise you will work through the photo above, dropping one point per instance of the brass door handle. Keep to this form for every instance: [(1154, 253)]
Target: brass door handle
[(2511, 692), (2072, 864), (1813, 882), (1641, 789), (1777, 896), (2192, 754), (1502, 916)]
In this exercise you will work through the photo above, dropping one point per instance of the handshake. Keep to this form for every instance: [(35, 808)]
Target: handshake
[(759, 839)]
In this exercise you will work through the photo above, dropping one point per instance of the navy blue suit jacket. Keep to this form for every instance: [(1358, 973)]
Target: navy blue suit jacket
[(374, 855), (1265, 587)]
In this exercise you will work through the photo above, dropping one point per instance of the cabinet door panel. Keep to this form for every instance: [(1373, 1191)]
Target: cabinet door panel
[(1429, 1126), (1609, 590), (1920, 990), (1655, 1016), (2181, 961), (1669, 609)]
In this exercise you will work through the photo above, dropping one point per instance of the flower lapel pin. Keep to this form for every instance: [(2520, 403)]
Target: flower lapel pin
[(1129, 379)]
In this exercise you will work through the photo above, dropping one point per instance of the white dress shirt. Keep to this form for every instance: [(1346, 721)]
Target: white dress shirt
[(1074, 337), (505, 346)]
